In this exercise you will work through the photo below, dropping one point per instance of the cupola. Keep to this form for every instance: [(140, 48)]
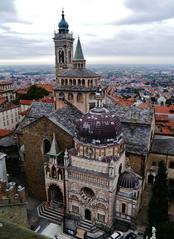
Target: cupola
[(63, 25), (99, 126)]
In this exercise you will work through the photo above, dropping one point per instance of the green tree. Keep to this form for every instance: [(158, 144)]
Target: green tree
[(35, 93), (158, 207)]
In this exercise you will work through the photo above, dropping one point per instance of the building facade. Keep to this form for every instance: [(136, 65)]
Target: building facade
[(92, 181), (7, 90), (9, 117), (75, 83)]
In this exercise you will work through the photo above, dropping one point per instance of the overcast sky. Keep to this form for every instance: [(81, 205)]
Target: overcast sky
[(111, 31)]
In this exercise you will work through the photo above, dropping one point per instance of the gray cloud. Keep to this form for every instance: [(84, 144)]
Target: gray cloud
[(152, 42), (157, 40), (147, 11), (8, 14), (16, 47)]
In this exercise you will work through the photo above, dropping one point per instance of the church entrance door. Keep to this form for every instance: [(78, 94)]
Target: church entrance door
[(55, 195), (87, 214)]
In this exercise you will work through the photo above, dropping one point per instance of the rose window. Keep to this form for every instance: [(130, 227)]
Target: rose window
[(87, 194)]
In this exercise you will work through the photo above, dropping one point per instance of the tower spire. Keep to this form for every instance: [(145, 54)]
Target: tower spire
[(54, 147), (78, 52), (79, 60)]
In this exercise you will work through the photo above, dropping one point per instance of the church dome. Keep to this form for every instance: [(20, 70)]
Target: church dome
[(128, 180), (98, 126), (63, 25)]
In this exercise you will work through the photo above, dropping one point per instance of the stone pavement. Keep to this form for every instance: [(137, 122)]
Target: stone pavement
[(54, 231)]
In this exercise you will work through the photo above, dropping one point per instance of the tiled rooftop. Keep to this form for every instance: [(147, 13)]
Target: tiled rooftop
[(8, 141), (39, 109), (136, 122), (66, 118), (76, 88), (132, 114), (77, 73), (163, 145)]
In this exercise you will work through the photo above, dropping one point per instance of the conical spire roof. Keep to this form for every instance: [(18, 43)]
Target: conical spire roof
[(78, 52), (54, 147)]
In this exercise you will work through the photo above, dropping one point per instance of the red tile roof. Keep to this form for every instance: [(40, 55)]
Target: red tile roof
[(3, 100), (145, 105), (47, 87), (26, 102), (161, 117), (47, 100), (164, 109), (4, 132), (23, 112), (22, 91)]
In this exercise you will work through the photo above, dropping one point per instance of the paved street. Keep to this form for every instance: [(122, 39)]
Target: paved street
[(54, 231)]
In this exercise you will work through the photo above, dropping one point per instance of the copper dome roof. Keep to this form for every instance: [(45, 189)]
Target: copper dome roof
[(98, 126), (128, 180)]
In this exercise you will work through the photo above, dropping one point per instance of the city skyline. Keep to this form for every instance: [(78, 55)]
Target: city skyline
[(111, 32)]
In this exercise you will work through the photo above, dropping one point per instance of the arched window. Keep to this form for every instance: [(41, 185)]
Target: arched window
[(53, 171), (70, 82), (83, 82), (69, 56), (60, 176), (92, 96), (62, 81), (46, 146), (171, 164), (123, 208), (70, 96), (79, 82), (61, 95), (61, 56), (47, 171), (66, 82), (74, 81), (80, 98)]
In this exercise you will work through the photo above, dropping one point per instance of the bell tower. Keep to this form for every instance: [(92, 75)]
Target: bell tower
[(63, 41)]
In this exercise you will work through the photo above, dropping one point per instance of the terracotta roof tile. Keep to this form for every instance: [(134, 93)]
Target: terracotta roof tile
[(3, 100), (4, 132), (26, 102), (47, 87), (161, 117)]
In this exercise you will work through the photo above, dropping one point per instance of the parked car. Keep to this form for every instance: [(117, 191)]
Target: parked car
[(131, 235), (117, 235)]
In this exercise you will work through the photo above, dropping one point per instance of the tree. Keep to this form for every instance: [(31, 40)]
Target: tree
[(35, 93), (158, 207)]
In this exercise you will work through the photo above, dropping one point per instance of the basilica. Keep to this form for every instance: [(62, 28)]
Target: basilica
[(84, 156)]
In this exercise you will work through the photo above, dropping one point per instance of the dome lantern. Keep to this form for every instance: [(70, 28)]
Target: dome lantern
[(63, 25)]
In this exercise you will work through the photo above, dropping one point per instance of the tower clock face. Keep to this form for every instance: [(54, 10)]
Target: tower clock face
[(89, 151)]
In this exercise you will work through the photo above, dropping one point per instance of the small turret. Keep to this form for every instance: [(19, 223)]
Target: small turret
[(54, 147)]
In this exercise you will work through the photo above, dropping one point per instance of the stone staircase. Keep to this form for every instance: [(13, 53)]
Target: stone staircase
[(87, 226), (142, 218), (54, 215)]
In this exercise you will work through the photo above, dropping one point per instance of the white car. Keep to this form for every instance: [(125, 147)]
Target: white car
[(117, 235)]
